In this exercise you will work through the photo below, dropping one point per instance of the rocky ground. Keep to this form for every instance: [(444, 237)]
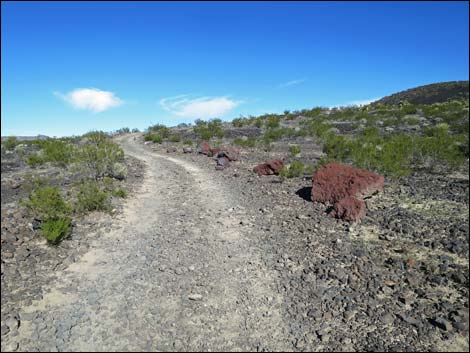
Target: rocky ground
[(200, 259)]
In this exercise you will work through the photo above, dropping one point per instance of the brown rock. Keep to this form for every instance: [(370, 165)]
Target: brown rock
[(350, 209), (205, 148), (335, 181), (269, 168), (231, 153)]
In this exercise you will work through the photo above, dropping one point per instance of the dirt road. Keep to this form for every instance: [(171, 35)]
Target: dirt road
[(176, 272)]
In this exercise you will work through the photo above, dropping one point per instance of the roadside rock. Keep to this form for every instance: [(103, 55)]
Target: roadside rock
[(269, 168), (349, 209), (344, 187), (205, 148), (187, 150), (335, 181)]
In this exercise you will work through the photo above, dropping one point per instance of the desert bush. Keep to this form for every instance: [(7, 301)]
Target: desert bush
[(258, 122), (295, 169), (55, 230), (99, 159), (272, 122), (46, 203), (35, 159), (118, 192), (438, 145), (249, 142), (175, 138), (96, 137), (209, 129), (160, 129), (60, 153), (294, 150), (119, 171), (239, 122), (188, 142), (91, 197), (10, 142)]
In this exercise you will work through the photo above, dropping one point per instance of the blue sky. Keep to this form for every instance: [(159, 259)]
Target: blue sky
[(70, 67)]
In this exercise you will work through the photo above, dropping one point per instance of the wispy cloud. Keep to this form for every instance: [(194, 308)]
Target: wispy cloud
[(92, 99), (204, 107), (363, 102), (291, 83)]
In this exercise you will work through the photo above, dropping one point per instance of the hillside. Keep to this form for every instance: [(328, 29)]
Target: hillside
[(429, 94)]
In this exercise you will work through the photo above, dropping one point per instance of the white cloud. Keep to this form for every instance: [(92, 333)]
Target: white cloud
[(92, 99), (363, 102), (291, 83), (204, 107)]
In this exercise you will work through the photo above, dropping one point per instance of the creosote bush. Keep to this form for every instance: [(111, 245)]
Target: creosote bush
[(294, 150), (56, 230), (209, 129), (10, 143), (92, 198)]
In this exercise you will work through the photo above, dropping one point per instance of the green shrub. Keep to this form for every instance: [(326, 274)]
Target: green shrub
[(295, 169), (55, 230), (294, 150), (175, 138), (47, 203), (91, 197), (10, 142), (258, 122), (119, 171), (249, 142), (135, 130), (188, 142), (96, 137), (124, 130), (239, 122), (35, 159), (160, 129), (209, 129), (118, 192), (60, 153), (272, 122), (99, 159)]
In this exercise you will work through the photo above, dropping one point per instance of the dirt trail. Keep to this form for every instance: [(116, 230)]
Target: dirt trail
[(176, 272)]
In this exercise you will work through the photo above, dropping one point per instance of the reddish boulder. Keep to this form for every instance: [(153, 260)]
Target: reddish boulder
[(335, 181), (350, 209), (205, 148), (214, 151), (344, 187), (269, 168)]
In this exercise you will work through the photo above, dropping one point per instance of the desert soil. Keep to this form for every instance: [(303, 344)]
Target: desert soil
[(177, 271), (199, 259)]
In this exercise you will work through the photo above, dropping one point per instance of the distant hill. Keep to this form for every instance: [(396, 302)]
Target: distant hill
[(429, 94), (25, 138)]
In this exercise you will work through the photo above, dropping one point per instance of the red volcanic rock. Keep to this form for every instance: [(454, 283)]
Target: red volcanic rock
[(205, 148), (276, 165), (335, 181), (269, 168), (350, 209), (344, 187)]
